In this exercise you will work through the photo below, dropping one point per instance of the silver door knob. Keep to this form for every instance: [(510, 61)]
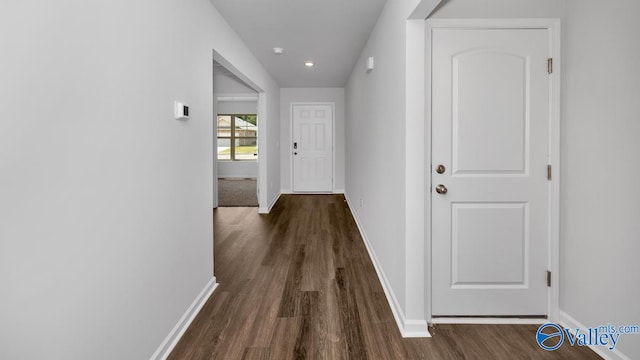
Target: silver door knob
[(441, 189)]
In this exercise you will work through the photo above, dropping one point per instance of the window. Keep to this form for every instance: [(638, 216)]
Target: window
[(237, 137)]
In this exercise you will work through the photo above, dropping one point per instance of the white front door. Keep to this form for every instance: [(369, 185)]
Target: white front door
[(490, 203), (312, 147)]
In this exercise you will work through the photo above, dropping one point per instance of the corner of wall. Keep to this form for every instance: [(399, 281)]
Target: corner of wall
[(568, 322), (272, 203), (170, 342)]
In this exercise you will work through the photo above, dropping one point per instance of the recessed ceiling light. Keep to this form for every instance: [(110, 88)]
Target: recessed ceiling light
[(278, 50), (308, 63)]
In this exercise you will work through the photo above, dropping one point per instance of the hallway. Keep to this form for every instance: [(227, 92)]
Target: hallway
[(298, 284)]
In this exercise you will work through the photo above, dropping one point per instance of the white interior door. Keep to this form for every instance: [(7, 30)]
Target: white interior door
[(312, 148), (490, 132)]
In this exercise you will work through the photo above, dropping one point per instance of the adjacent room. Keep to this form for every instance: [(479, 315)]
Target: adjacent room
[(236, 106)]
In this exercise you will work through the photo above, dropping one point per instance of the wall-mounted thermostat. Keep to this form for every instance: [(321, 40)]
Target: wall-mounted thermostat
[(181, 111)]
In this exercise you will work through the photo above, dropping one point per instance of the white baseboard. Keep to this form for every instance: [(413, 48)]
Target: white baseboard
[(465, 320), (266, 210), (412, 328), (289, 191), (176, 333), (238, 177), (409, 328), (615, 354)]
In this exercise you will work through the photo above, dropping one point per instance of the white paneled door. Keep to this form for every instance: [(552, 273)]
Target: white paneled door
[(312, 147), (490, 195)]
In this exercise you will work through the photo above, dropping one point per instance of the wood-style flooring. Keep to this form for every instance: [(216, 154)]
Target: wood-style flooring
[(298, 284)]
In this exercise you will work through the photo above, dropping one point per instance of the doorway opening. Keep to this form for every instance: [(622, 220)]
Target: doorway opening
[(237, 153), (235, 140)]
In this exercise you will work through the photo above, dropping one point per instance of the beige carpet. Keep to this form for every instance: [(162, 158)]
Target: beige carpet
[(237, 192)]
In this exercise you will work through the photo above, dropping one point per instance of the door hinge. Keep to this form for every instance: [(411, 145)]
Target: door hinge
[(548, 278), (550, 65), (549, 172)]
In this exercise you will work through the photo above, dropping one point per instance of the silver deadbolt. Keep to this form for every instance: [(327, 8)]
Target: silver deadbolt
[(440, 169), (441, 189)]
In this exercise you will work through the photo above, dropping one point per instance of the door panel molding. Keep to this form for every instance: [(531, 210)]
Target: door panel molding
[(554, 36)]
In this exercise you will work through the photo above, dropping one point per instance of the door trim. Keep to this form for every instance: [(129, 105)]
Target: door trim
[(553, 259), (333, 149)]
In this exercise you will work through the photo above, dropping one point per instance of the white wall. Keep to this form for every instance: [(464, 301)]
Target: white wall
[(293, 95), (237, 107), (237, 169), (224, 83), (106, 203), (269, 188), (499, 9), (384, 164), (600, 204)]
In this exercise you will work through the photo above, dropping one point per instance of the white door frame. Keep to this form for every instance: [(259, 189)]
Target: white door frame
[(553, 25), (333, 137)]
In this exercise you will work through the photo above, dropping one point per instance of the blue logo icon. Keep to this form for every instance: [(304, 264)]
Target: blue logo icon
[(550, 336)]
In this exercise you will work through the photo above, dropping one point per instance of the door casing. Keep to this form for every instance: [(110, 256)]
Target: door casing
[(553, 260)]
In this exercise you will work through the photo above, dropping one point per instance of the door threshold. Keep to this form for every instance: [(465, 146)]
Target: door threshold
[(517, 320)]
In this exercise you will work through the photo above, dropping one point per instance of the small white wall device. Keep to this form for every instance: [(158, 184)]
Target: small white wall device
[(370, 64), (181, 111)]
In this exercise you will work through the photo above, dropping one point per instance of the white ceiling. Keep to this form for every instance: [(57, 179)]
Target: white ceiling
[(331, 33)]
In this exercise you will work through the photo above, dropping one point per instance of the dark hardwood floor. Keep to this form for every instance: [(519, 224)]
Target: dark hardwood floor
[(298, 284)]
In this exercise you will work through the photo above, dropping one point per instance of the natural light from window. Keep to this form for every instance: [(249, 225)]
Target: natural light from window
[(237, 137)]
